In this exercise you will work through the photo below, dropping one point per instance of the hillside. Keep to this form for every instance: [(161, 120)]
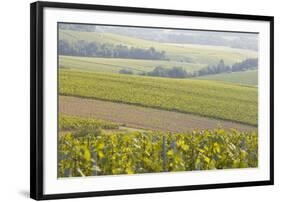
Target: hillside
[(198, 54), (244, 77), (206, 98), (114, 65)]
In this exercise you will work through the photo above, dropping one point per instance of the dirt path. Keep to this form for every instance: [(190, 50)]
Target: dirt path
[(141, 117)]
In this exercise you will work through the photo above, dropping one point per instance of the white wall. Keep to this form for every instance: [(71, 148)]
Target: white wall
[(14, 102)]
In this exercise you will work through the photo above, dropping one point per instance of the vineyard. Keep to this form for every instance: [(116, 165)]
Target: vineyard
[(205, 98), (146, 100), (114, 65), (197, 54), (100, 148), (249, 77), (67, 123)]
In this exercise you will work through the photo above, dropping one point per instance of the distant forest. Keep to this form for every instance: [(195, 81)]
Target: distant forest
[(93, 49), (248, 64)]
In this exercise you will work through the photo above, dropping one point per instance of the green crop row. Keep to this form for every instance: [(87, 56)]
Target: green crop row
[(74, 123), (205, 98), (96, 152)]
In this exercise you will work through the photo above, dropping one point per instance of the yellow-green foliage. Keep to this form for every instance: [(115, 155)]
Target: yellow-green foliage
[(74, 123), (205, 98), (94, 152)]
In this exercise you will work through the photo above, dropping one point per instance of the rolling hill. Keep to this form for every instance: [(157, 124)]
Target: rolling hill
[(205, 98), (114, 65), (198, 54), (244, 78)]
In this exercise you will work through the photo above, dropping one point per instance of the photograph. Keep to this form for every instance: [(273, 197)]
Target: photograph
[(133, 100), (139, 100)]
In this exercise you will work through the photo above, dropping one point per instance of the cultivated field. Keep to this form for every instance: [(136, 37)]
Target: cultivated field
[(156, 115), (141, 117), (198, 54), (244, 78), (205, 98), (114, 65), (95, 147)]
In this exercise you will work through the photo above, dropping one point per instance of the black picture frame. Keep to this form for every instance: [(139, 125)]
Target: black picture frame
[(36, 98)]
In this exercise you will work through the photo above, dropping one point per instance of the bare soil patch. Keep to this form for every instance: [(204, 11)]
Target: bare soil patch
[(142, 117)]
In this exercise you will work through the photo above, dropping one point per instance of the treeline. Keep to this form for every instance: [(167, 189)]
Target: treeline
[(93, 49), (159, 71), (179, 72), (213, 69), (248, 64), (174, 72), (251, 63)]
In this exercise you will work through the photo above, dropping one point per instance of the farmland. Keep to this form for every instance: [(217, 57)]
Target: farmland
[(70, 123), (143, 100), (245, 78), (114, 65), (93, 151), (205, 98), (140, 117), (198, 54)]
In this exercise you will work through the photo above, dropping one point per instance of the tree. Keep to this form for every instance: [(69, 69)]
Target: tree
[(177, 72), (174, 72), (126, 71), (251, 63)]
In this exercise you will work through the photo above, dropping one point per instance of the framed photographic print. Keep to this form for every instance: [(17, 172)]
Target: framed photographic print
[(136, 100)]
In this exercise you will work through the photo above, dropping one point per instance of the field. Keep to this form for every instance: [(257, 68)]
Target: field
[(204, 98), (198, 54), (138, 117), (114, 65), (95, 151), (244, 78), (145, 119), (72, 123)]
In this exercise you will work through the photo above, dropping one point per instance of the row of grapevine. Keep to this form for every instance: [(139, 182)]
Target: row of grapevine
[(206, 98), (94, 151)]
